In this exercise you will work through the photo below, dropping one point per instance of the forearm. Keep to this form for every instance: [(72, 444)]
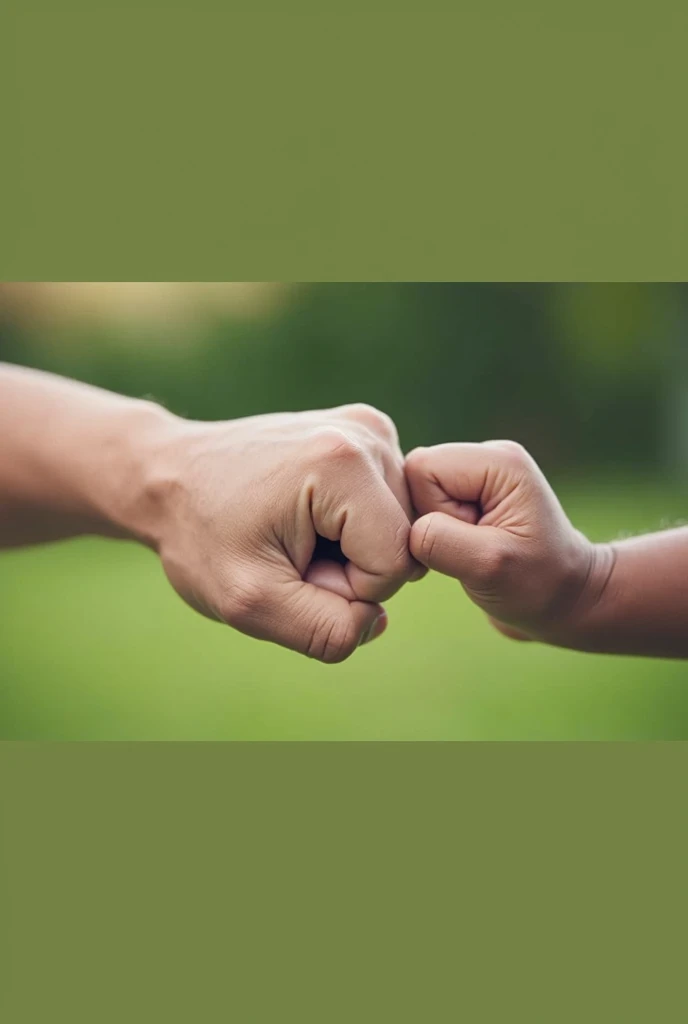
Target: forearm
[(74, 459), (638, 598)]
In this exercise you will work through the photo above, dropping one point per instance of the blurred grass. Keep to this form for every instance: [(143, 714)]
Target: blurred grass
[(95, 645)]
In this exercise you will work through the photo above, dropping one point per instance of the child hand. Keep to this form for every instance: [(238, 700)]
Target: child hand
[(489, 518)]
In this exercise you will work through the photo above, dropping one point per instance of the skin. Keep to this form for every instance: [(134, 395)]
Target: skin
[(489, 518), (233, 509)]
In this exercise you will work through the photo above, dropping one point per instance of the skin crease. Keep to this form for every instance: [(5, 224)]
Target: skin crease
[(489, 518), (233, 509)]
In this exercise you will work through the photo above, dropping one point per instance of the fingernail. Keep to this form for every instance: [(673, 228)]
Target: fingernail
[(375, 630)]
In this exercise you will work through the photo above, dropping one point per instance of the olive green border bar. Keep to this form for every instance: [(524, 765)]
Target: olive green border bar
[(340, 882), (268, 141)]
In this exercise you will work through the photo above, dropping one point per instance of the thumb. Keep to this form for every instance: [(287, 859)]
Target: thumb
[(471, 554), (313, 621), (325, 625)]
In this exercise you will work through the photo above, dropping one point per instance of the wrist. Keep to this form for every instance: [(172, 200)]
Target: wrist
[(578, 629), (138, 438)]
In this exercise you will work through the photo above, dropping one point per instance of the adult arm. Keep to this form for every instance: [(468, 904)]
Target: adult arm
[(234, 509)]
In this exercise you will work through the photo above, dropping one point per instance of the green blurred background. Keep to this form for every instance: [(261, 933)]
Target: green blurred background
[(593, 379)]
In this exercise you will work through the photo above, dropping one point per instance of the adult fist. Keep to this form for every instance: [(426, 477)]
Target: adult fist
[(236, 509), (489, 518)]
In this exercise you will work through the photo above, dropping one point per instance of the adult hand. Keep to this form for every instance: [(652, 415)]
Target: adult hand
[(235, 509)]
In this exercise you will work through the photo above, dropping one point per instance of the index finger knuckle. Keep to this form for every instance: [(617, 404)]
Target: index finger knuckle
[(513, 453), (371, 417), (418, 463)]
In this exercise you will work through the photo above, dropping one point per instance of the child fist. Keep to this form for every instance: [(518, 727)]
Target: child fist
[(489, 518)]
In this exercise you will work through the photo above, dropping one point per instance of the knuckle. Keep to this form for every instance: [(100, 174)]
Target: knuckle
[(364, 413), (372, 418), (334, 444), (245, 601), (495, 563), (515, 452), (417, 462)]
